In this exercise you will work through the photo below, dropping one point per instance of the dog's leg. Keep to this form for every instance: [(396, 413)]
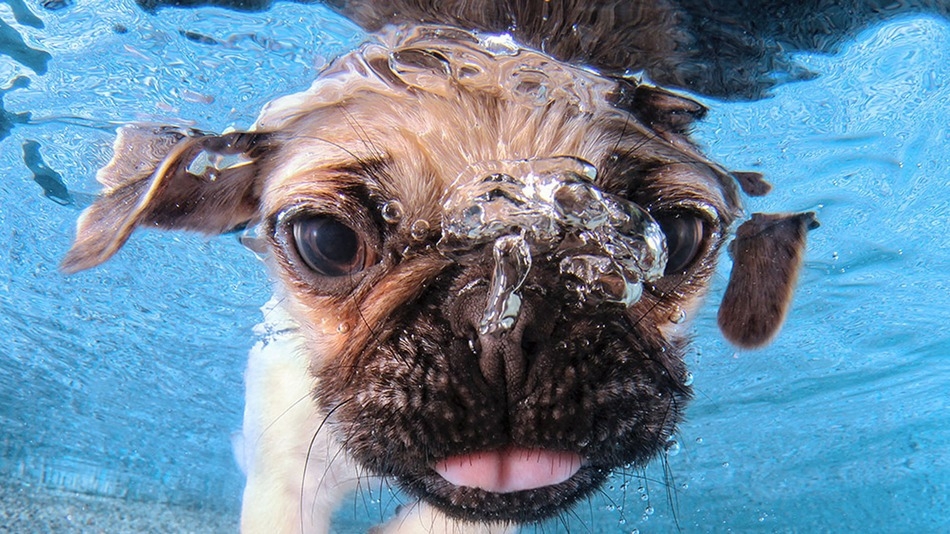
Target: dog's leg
[(296, 471)]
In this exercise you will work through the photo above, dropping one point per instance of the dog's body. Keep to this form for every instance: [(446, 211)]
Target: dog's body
[(484, 256)]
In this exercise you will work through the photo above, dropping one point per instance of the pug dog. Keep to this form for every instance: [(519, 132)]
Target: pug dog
[(485, 258)]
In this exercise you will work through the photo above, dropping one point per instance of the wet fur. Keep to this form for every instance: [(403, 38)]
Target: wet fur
[(374, 374), (767, 248)]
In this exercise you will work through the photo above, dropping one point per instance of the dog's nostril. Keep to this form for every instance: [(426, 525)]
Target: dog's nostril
[(529, 347)]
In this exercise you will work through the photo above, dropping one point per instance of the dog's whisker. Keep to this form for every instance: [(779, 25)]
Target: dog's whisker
[(641, 143), (329, 464), (286, 411), (612, 505), (622, 136), (362, 135), (306, 465), (363, 480), (395, 497), (622, 507), (672, 500), (382, 482), (361, 162), (374, 333), (562, 518), (660, 296), (369, 501)]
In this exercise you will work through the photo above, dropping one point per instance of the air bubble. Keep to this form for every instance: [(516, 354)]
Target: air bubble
[(419, 229), (605, 245), (500, 45), (392, 212), (672, 447), (343, 328), (678, 316), (420, 67), (601, 279), (208, 164), (688, 379), (580, 204), (512, 263)]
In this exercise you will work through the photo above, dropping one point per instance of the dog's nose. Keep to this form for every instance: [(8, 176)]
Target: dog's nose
[(503, 362), (504, 357)]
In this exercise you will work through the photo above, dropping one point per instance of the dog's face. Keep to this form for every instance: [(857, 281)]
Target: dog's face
[(492, 255)]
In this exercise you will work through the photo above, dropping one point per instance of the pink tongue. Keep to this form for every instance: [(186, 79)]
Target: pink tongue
[(509, 470)]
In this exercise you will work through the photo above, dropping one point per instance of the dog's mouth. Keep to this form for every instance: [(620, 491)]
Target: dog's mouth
[(509, 470), (508, 485)]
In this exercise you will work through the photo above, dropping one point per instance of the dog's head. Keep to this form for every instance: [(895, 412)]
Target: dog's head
[(492, 254)]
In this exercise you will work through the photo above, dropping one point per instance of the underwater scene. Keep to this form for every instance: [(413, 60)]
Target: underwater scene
[(121, 386)]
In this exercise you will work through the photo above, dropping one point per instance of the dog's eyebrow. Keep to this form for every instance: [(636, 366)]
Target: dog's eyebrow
[(371, 168), (655, 182)]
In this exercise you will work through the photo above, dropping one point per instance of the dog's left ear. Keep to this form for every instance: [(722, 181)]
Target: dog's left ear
[(170, 178), (668, 114), (665, 112), (767, 254)]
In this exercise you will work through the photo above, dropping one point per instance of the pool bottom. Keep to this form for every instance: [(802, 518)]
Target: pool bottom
[(26, 508)]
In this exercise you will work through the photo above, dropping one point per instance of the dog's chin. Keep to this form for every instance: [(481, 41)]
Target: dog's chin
[(507, 486)]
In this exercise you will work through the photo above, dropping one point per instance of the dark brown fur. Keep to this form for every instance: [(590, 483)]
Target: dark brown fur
[(767, 254)]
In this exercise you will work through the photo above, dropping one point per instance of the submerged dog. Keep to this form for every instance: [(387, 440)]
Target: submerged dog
[(485, 258)]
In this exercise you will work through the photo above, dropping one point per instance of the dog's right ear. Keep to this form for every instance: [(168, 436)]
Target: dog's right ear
[(170, 178)]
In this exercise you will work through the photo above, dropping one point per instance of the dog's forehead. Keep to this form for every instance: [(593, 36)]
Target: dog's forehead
[(408, 114), (442, 61)]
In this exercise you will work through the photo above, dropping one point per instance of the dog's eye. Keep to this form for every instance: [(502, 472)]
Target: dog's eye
[(684, 238), (329, 247)]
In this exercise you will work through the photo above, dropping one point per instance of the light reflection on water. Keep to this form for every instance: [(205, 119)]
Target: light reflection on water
[(126, 381)]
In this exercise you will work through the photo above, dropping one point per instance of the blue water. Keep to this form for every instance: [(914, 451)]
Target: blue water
[(127, 381)]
